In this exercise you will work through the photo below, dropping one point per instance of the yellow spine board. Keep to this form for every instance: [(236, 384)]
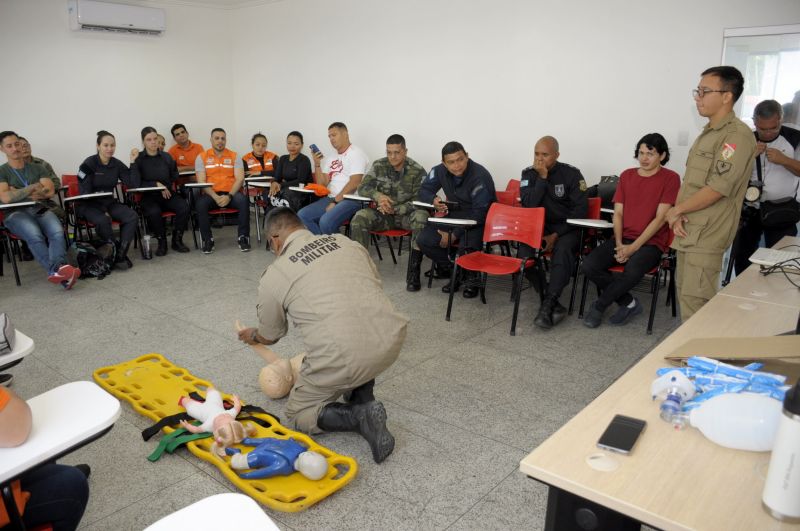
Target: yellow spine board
[(153, 386)]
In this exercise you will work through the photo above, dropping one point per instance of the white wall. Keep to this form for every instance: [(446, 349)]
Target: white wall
[(493, 74), (59, 87)]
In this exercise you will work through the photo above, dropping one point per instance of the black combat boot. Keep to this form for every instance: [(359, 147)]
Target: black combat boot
[(368, 420), (122, 256), (177, 242), (412, 276), (544, 319), (361, 394), (559, 312), (162, 244), (454, 284)]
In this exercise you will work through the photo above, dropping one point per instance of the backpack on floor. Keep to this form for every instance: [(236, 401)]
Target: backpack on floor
[(94, 262)]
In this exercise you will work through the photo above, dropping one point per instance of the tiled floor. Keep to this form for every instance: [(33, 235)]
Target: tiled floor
[(466, 401)]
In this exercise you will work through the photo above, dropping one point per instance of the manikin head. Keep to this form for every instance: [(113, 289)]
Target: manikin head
[(312, 465), (228, 432), (277, 379)]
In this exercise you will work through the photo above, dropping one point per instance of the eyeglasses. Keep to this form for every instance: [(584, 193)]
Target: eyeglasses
[(701, 93)]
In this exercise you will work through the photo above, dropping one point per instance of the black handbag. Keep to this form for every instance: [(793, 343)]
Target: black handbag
[(780, 212)]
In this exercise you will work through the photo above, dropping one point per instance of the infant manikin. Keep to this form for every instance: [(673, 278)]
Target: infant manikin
[(216, 419)]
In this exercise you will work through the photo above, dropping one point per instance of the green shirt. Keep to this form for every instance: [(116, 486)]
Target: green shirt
[(50, 172), (401, 186), (29, 174)]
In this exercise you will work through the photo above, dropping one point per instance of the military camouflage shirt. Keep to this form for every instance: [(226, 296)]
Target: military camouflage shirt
[(401, 186)]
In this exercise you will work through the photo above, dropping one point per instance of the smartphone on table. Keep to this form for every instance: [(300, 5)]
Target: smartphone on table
[(621, 434)]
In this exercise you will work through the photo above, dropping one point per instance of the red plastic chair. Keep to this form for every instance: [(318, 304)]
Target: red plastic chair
[(513, 185), (505, 223), (71, 182), (588, 242), (389, 234), (665, 268)]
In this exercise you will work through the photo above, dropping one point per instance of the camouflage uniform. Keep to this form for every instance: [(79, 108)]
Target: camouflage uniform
[(401, 187)]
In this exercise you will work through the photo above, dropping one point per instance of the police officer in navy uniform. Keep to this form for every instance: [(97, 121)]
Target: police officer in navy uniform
[(469, 189), (101, 173), (561, 190)]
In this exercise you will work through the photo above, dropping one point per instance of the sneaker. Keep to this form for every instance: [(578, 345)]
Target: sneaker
[(244, 243), (76, 274), (594, 317), (63, 274), (624, 314), (6, 379), (208, 246)]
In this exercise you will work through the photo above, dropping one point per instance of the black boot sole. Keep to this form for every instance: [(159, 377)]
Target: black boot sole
[(372, 426)]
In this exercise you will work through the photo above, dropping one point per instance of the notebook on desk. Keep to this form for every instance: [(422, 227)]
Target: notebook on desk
[(771, 257)]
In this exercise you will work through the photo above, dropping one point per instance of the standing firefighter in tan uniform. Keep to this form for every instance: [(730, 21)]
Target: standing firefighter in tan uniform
[(329, 287), (718, 168)]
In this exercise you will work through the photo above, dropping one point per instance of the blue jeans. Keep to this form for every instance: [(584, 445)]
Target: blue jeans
[(42, 232), (318, 221), (58, 496)]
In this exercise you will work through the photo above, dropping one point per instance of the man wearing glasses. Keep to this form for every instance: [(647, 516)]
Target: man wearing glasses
[(706, 215), (776, 173)]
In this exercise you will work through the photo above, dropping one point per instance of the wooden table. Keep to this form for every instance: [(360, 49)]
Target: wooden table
[(772, 288), (672, 479)]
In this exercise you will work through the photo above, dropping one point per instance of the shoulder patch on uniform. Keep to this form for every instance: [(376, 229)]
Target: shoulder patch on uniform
[(523, 183), (582, 185), (728, 150), (81, 175), (723, 167), (431, 174)]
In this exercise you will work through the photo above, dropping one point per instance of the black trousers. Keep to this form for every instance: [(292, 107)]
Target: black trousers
[(617, 289), (153, 204), (749, 236), (429, 238), (562, 261), (98, 214), (238, 201)]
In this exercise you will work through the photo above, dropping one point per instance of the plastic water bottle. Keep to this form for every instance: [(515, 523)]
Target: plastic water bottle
[(742, 421), (673, 388), (146, 254), (781, 496)]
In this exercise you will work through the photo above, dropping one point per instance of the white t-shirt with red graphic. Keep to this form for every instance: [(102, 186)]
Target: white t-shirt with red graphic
[(342, 165)]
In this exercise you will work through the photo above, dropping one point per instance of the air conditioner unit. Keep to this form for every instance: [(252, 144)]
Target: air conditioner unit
[(91, 15)]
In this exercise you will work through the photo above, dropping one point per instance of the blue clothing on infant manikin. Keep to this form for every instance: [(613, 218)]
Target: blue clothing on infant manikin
[(276, 457)]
